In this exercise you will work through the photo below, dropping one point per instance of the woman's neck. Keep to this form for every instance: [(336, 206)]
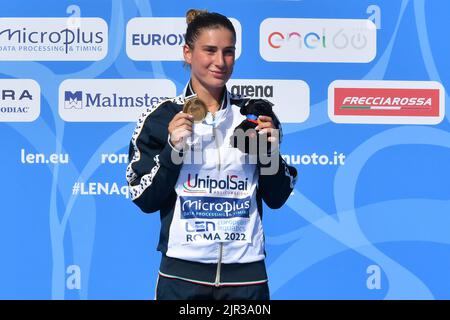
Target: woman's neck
[(211, 99)]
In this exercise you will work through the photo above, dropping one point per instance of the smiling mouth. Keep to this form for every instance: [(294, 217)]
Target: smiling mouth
[(218, 73)]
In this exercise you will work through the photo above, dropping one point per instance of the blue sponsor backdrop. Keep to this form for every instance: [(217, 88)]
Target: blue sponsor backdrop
[(374, 228)]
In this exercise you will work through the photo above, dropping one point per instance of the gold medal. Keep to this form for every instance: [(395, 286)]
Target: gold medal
[(197, 108)]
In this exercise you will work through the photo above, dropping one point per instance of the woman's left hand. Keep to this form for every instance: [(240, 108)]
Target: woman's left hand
[(267, 127)]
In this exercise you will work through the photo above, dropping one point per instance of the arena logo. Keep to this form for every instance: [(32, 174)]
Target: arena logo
[(260, 91), (386, 102), (318, 40), (290, 97), (19, 100), (48, 39), (162, 39), (115, 100), (195, 184)]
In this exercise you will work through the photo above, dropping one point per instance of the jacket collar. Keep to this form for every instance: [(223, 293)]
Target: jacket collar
[(189, 92)]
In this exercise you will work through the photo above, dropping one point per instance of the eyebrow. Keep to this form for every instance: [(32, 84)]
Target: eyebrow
[(215, 47)]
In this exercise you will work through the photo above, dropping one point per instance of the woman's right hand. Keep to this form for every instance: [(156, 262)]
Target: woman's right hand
[(180, 127)]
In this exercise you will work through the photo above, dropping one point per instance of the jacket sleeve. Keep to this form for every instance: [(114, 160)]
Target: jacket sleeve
[(275, 188), (154, 166), (276, 178)]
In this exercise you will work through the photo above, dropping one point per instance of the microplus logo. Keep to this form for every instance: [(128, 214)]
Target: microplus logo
[(114, 100), (162, 39), (318, 40), (48, 39), (290, 97), (20, 100), (214, 207), (395, 102)]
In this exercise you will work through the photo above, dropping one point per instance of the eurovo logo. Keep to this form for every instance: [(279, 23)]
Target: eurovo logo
[(157, 39), (162, 38), (195, 184)]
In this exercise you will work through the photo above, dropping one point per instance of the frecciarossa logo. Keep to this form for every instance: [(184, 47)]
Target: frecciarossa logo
[(386, 102), (195, 184)]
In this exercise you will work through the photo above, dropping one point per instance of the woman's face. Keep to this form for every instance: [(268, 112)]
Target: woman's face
[(212, 58)]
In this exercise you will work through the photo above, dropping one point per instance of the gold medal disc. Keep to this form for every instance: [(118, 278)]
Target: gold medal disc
[(197, 108)]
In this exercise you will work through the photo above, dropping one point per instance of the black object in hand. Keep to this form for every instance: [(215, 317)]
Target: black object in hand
[(245, 137)]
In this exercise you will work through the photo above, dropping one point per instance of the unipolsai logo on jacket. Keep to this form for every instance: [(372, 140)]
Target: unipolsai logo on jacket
[(232, 183)]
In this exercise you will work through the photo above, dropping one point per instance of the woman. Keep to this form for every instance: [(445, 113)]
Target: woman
[(211, 237)]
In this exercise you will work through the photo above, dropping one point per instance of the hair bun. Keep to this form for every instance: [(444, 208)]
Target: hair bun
[(191, 14)]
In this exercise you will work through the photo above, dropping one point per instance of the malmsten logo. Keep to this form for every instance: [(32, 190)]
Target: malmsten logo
[(411, 102)]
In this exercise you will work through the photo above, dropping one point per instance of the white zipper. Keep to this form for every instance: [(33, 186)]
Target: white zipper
[(216, 142), (219, 262), (217, 147), (219, 265)]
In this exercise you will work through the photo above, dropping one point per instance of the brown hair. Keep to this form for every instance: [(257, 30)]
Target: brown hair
[(202, 19)]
